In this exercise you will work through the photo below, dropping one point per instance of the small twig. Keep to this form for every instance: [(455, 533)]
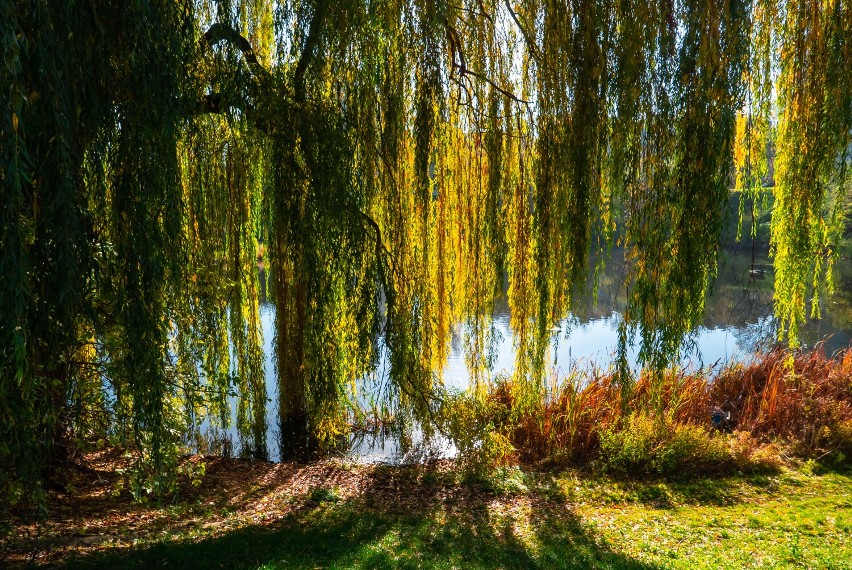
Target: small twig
[(531, 45)]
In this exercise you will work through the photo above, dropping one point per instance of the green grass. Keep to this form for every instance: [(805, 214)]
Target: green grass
[(792, 520), (517, 519)]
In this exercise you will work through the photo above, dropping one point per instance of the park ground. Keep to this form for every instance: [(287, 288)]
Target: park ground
[(338, 514)]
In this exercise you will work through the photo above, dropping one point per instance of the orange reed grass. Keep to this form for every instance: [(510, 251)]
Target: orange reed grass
[(798, 397)]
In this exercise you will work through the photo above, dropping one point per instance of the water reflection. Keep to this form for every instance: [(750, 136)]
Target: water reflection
[(387, 446)]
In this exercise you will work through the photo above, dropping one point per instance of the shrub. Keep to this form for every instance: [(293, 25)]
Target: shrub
[(644, 444), (628, 448), (691, 448), (798, 397), (472, 421), (841, 438), (839, 443), (803, 400), (747, 453)]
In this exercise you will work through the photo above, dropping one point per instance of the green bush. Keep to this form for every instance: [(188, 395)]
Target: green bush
[(628, 449), (691, 447), (643, 444), (841, 437)]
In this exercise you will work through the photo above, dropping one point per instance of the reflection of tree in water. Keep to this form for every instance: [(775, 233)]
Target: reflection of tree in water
[(390, 443), (737, 297), (757, 337), (834, 328), (743, 298), (742, 293)]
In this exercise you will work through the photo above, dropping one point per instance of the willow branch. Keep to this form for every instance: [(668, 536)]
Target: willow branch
[(481, 12), (463, 71), (381, 248)]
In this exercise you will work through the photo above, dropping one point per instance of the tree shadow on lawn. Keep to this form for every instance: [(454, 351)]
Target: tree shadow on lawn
[(398, 521), (587, 486), (340, 515), (662, 492)]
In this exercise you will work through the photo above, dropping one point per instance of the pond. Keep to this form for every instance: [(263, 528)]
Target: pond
[(738, 322)]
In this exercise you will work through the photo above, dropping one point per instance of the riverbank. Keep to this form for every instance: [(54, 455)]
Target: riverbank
[(342, 515), (747, 468)]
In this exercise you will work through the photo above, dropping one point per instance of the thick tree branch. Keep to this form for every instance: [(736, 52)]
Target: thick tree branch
[(311, 41), (212, 103), (219, 32), (215, 103), (219, 102)]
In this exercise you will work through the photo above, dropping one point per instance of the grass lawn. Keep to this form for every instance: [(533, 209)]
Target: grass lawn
[(337, 515)]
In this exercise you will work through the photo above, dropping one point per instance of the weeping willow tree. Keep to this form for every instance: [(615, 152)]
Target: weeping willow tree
[(393, 167)]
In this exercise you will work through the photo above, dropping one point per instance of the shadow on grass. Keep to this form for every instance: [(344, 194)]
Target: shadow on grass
[(397, 522), (836, 463), (725, 488), (661, 492), (699, 491)]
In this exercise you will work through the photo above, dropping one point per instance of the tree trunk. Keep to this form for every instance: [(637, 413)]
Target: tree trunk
[(291, 314)]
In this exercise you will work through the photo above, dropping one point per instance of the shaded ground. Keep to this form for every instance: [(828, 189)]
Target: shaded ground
[(340, 515)]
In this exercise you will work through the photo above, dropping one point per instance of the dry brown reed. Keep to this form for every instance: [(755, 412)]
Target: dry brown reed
[(803, 399)]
